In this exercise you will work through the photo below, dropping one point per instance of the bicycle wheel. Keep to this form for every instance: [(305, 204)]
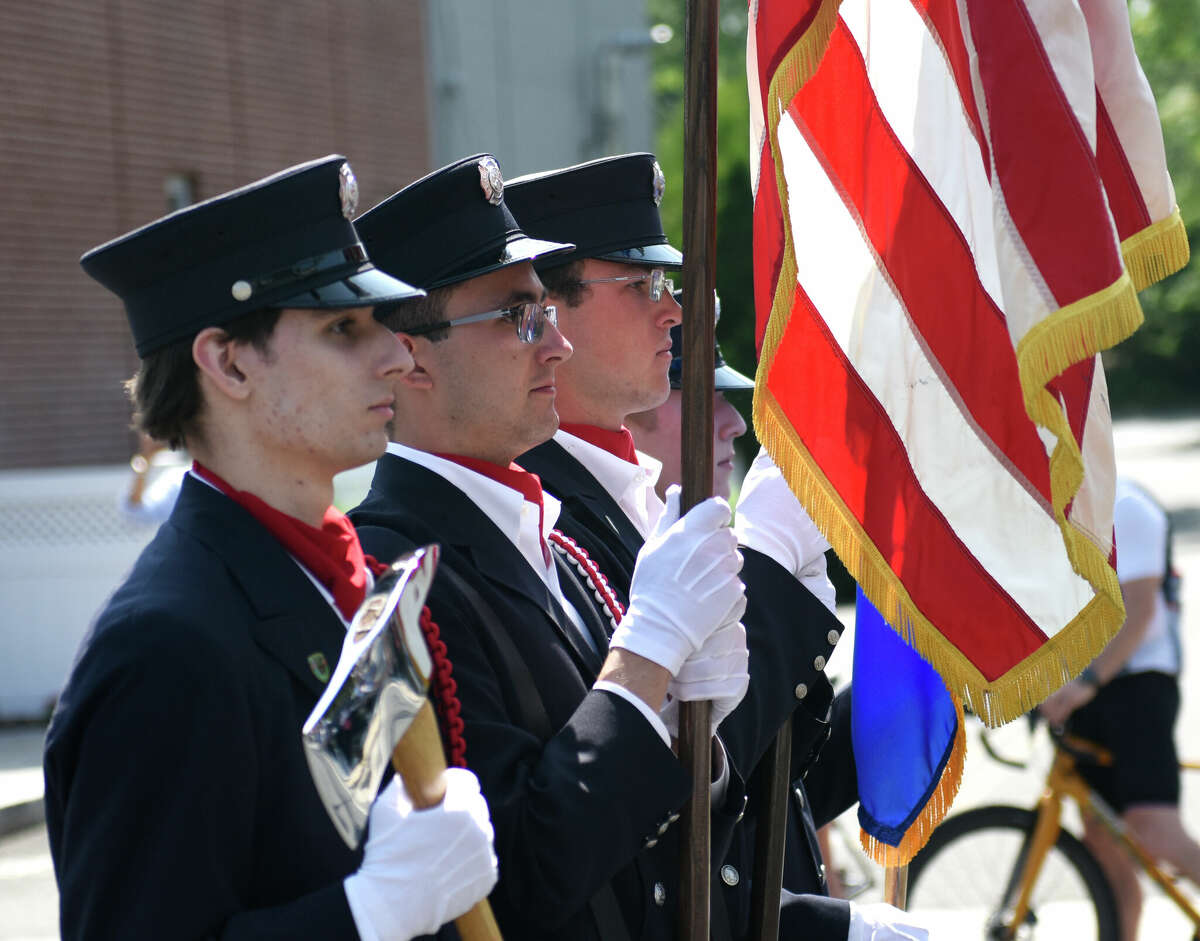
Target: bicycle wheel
[(958, 884)]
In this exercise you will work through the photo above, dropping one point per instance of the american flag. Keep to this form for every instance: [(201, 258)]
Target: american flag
[(955, 203)]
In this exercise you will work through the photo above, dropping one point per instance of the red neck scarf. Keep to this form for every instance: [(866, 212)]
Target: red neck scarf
[(332, 553), (617, 443), (517, 478)]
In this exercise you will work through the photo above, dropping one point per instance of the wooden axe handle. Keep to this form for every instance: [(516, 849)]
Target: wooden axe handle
[(419, 760)]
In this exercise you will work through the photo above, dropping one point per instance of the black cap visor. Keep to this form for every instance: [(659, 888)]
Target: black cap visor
[(519, 249), (656, 256), (364, 287)]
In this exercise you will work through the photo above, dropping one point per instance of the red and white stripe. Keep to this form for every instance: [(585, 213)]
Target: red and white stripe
[(927, 200)]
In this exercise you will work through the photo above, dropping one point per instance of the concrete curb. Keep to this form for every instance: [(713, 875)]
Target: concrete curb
[(21, 816)]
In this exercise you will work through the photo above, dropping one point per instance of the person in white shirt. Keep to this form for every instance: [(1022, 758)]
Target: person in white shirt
[(1127, 700)]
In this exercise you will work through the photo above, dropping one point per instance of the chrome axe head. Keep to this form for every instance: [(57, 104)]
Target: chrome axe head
[(379, 684)]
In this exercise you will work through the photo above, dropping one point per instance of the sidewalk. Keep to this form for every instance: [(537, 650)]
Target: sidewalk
[(20, 777)]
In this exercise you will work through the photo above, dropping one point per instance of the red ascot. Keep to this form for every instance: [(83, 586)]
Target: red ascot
[(332, 553), (526, 484), (617, 443)]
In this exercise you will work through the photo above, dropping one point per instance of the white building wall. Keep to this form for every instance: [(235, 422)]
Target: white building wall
[(539, 83), (64, 548)]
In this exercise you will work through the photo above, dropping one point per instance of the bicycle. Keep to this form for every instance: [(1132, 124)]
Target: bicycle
[(1054, 888)]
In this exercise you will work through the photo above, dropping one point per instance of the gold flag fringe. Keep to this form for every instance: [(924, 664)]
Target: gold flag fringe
[(796, 68), (1068, 336), (995, 701), (934, 811), (1156, 251)]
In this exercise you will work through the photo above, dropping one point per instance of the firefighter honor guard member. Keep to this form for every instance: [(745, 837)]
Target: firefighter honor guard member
[(614, 298), (179, 801), (658, 432), (561, 724)]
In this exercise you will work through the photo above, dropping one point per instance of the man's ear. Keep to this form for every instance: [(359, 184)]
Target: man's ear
[(218, 358), (421, 350)]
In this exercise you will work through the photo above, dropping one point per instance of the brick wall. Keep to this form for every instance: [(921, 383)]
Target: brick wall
[(101, 101)]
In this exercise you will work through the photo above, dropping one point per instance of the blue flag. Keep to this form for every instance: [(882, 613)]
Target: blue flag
[(908, 741)]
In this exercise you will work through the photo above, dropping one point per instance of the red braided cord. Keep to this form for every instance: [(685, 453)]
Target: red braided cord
[(599, 583), (444, 684), (446, 687)]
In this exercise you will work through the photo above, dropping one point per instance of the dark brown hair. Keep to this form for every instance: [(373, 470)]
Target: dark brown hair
[(402, 316), (165, 391), (564, 281)]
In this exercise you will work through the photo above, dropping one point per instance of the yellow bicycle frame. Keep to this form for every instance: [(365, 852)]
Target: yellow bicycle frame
[(1064, 781)]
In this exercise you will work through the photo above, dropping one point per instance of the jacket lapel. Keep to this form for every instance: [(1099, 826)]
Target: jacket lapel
[(504, 577), (583, 495), (594, 614), (456, 521), (295, 624)]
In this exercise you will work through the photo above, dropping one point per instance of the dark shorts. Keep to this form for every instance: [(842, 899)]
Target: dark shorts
[(1133, 716)]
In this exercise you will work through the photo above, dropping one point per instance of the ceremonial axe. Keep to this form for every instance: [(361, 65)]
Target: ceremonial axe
[(375, 709)]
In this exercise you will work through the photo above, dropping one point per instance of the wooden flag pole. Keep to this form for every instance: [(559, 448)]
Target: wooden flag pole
[(699, 336), (770, 838), (895, 886)]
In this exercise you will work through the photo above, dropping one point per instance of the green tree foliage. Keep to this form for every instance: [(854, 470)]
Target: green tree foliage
[(1158, 368), (734, 202), (1155, 369)]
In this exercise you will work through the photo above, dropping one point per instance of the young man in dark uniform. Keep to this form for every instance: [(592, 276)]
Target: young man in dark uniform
[(561, 724), (179, 801), (617, 309)]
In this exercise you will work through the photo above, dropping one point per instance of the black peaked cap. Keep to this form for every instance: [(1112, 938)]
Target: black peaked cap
[(725, 378), (283, 241), (607, 207), (450, 226)]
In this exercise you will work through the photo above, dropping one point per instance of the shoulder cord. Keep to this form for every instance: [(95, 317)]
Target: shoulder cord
[(450, 712), (584, 563)]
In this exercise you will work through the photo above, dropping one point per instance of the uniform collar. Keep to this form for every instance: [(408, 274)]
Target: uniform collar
[(500, 502), (630, 485), (615, 474), (617, 443)]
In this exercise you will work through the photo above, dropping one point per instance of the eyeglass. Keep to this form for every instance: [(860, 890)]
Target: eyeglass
[(529, 318), (658, 279)]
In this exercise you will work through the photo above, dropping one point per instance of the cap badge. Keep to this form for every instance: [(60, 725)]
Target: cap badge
[(660, 184), (348, 191), (491, 181), (241, 290)]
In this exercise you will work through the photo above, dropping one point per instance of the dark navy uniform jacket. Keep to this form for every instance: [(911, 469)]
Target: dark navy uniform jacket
[(178, 799), (788, 633), (590, 805)]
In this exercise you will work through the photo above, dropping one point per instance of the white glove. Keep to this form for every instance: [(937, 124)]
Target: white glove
[(771, 520), (882, 922), (684, 585), (718, 671), (422, 868)]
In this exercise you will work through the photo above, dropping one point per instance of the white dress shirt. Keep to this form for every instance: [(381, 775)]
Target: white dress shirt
[(630, 485)]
